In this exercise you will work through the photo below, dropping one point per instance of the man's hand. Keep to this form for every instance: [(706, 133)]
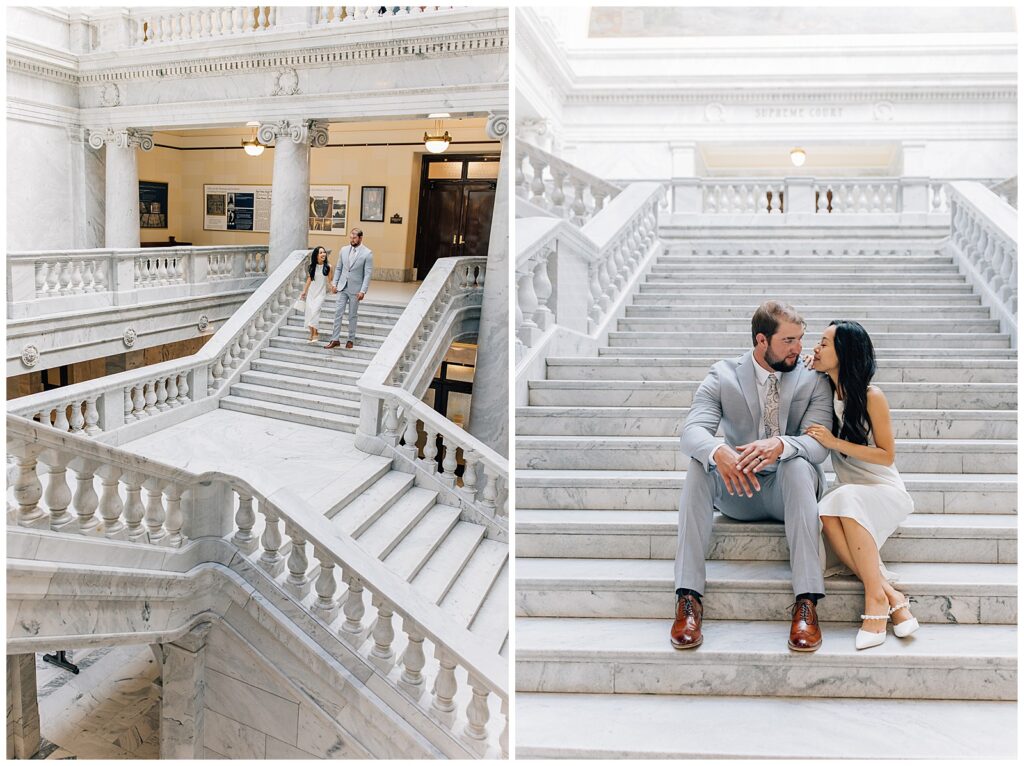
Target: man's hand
[(736, 481), (334, 290), (360, 296), (759, 455)]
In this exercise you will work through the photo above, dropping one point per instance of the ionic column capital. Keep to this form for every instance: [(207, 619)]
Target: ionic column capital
[(497, 125), (122, 139), (311, 132)]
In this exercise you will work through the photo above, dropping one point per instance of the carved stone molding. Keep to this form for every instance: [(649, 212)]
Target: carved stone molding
[(204, 323), (110, 94), (883, 111), (122, 139), (613, 96), (497, 125), (286, 83), (714, 112), (299, 131), (129, 337), (30, 356)]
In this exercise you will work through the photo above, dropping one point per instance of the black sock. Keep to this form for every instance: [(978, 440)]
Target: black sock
[(813, 597), (688, 592)]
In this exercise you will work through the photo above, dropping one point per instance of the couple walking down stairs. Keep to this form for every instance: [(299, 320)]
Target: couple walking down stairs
[(599, 474)]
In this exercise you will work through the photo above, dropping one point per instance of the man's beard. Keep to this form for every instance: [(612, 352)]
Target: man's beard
[(779, 364)]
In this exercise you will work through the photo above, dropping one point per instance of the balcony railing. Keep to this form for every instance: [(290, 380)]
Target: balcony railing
[(64, 281), (542, 179)]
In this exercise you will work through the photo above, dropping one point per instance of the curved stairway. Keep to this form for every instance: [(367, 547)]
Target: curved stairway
[(599, 474)]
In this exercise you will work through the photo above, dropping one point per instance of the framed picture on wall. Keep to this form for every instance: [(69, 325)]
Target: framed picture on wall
[(371, 207), (328, 209), (152, 205)]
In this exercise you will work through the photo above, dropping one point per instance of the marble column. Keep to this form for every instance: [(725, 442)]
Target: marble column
[(23, 737), (122, 183), (183, 674), (289, 204), (488, 415)]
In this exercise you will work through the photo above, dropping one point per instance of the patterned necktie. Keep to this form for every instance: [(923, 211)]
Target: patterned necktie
[(771, 408)]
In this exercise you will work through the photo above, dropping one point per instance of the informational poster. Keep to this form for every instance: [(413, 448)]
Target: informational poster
[(152, 205), (247, 208)]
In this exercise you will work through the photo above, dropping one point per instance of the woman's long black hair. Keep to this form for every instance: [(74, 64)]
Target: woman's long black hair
[(312, 263), (856, 356)]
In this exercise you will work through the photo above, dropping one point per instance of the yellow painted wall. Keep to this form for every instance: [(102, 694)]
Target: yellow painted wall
[(189, 167)]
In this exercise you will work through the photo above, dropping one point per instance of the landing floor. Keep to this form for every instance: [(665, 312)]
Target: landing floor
[(317, 464)]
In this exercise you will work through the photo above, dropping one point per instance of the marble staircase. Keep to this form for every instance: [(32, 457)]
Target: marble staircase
[(598, 480), (305, 383)]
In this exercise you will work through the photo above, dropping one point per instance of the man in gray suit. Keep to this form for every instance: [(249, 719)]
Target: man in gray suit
[(764, 468), (351, 281)]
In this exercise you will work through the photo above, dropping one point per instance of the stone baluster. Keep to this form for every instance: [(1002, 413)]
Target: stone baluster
[(526, 298), (354, 609), (579, 207), (245, 520), (138, 402), (155, 515), (134, 511), (89, 276), (58, 494), (235, 354), (27, 488), (556, 194), (77, 423), (410, 436), (60, 422), (450, 462), (413, 659), (542, 289), (390, 421), (172, 391), (175, 518), (503, 737), (216, 375), (490, 489), (41, 269), (92, 417), (65, 278), (383, 633), (183, 388), (522, 188), (445, 684), (150, 398), (604, 280), (271, 560), (297, 583), (594, 286), (477, 713), (537, 186), (53, 278), (325, 607), (161, 394), (429, 461), (111, 506), (470, 461), (85, 500)]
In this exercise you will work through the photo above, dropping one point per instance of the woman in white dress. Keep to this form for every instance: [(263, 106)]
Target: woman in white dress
[(317, 278), (868, 501)]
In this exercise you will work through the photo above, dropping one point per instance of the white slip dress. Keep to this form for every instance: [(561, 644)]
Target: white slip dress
[(872, 495), (315, 298)]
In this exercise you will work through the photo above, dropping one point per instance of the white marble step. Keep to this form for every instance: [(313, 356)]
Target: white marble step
[(390, 529), (873, 326), (606, 726), (736, 288), (302, 415), (339, 359), (391, 309), (440, 571), (364, 348), (406, 558), (851, 275), (859, 311), (355, 517), (881, 267), (300, 373), (662, 453), (679, 393), (473, 585), (965, 593), (667, 421), (696, 340), (890, 369), (660, 490), (885, 356), (315, 403), (377, 314), (298, 331), (923, 537), (616, 656), (797, 295), (491, 621), (292, 379)]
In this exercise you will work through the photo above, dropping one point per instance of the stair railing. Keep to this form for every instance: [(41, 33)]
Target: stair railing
[(394, 419), (542, 179), (180, 505), (119, 407), (983, 239)]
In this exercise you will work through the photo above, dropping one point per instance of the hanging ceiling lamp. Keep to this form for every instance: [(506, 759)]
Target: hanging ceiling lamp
[(438, 142), (798, 156), (253, 147)]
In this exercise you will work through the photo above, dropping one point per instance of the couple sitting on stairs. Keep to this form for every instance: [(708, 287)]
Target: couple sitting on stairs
[(350, 283), (780, 422)]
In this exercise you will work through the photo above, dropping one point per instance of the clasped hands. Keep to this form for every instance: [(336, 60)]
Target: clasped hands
[(359, 296), (737, 465)]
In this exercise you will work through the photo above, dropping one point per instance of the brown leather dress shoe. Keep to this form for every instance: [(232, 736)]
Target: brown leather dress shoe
[(349, 344), (804, 634), (686, 628), (333, 344)]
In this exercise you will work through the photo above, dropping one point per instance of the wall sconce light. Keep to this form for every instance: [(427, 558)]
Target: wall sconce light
[(798, 156)]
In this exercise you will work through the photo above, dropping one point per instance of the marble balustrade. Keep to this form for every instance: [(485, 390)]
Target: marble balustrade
[(103, 405), (347, 14), (983, 236), (61, 282), (558, 187), (122, 496), (393, 417)]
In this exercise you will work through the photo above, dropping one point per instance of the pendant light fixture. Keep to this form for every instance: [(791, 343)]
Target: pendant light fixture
[(253, 147), (798, 156), (437, 142)]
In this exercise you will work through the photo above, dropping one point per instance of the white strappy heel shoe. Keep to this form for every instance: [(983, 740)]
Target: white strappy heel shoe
[(905, 628), (865, 639)]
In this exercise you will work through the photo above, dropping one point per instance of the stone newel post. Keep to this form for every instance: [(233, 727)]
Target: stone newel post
[(122, 183)]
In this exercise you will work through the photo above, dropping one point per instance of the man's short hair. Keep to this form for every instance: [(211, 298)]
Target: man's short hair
[(357, 231), (769, 315)]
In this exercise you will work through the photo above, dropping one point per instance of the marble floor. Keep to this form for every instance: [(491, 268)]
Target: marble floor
[(397, 293), (317, 464), (111, 709)]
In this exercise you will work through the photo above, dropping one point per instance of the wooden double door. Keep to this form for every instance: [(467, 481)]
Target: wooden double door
[(456, 206)]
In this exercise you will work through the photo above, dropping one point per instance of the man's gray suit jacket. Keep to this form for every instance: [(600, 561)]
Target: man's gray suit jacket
[(353, 274)]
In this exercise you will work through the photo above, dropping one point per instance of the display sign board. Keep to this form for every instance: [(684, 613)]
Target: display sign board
[(247, 208)]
